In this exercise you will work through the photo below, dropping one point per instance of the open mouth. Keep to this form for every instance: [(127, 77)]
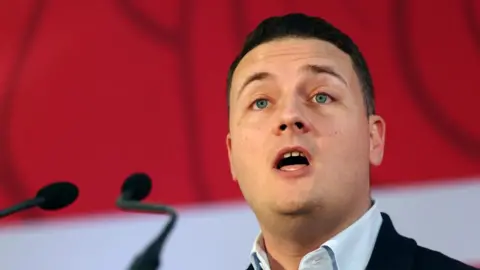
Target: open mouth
[(292, 160)]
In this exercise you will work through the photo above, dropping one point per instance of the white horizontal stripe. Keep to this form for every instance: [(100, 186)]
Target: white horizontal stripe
[(441, 217)]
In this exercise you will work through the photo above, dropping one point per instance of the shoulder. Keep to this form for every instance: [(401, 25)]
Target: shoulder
[(429, 259), (395, 251)]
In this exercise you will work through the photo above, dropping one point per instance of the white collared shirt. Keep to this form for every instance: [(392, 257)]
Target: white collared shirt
[(349, 250)]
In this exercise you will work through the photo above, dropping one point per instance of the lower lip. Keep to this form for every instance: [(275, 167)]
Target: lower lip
[(296, 173)]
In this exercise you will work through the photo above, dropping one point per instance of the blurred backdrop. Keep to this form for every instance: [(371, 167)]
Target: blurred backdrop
[(92, 91)]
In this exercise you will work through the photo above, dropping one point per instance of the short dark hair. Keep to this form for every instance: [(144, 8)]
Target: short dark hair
[(304, 26)]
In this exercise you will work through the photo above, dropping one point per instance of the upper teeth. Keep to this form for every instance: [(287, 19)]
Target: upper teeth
[(293, 154)]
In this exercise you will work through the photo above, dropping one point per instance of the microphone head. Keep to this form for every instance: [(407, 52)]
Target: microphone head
[(57, 195), (137, 186)]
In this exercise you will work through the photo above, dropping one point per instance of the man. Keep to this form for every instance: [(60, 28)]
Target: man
[(303, 133)]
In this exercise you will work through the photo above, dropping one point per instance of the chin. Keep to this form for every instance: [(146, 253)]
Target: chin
[(294, 208)]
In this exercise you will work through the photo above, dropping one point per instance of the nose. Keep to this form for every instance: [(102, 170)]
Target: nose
[(291, 120)]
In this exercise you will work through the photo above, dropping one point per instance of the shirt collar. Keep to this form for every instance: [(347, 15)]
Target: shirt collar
[(350, 248)]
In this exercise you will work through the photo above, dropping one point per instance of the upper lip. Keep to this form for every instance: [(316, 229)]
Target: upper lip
[(289, 149)]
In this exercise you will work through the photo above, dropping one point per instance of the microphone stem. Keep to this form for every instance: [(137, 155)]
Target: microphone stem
[(21, 206), (146, 207), (149, 258)]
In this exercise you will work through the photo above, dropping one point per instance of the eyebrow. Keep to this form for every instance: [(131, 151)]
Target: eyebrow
[(322, 69), (309, 68)]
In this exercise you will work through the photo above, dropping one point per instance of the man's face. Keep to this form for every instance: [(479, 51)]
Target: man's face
[(299, 135)]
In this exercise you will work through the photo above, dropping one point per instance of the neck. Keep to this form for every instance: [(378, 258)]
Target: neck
[(286, 245)]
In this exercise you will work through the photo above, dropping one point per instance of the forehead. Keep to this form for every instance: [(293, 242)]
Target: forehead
[(288, 55)]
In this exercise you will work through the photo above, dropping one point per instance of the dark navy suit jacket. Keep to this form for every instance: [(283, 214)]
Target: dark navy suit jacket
[(393, 251)]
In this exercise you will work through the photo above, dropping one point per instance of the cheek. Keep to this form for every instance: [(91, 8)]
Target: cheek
[(346, 138), (250, 134), (247, 160), (344, 155), (330, 128), (246, 147)]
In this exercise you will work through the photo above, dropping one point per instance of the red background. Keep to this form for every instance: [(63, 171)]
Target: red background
[(92, 91)]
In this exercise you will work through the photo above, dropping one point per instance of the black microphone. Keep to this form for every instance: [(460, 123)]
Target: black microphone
[(136, 188), (51, 197)]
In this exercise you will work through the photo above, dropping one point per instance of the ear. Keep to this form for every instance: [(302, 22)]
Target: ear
[(229, 149), (377, 139)]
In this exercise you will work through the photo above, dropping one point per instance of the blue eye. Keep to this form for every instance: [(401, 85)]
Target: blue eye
[(260, 104), (321, 98)]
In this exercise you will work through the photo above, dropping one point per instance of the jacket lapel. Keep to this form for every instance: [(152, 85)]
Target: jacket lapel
[(392, 251)]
